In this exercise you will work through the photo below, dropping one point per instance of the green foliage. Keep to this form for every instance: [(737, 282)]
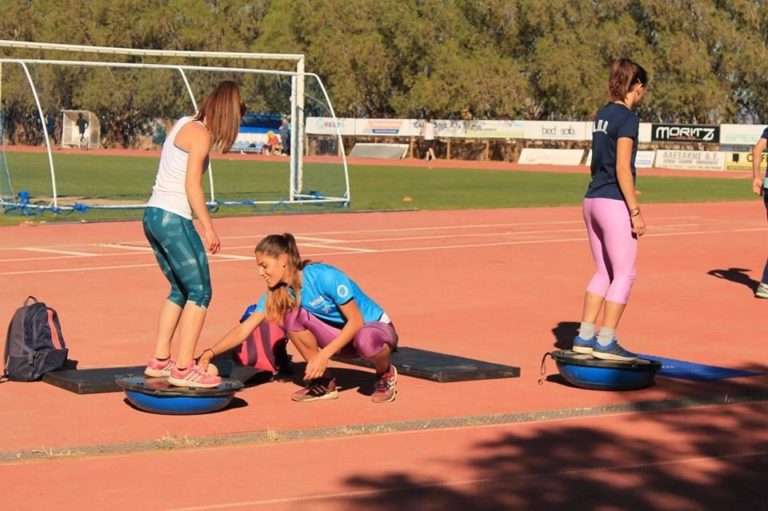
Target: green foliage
[(525, 59)]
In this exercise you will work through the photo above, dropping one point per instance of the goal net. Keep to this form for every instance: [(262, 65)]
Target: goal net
[(86, 134)]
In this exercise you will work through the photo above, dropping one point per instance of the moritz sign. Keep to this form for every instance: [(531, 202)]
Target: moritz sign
[(685, 133)]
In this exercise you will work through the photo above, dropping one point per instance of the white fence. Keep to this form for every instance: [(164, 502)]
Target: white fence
[(731, 136)]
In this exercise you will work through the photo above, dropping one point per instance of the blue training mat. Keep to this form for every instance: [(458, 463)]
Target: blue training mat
[(672, 368)]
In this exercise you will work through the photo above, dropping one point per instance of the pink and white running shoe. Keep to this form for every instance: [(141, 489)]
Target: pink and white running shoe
[(159, 368), (193, 377)]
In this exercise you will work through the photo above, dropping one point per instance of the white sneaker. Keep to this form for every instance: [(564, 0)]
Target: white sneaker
[(762, 290)]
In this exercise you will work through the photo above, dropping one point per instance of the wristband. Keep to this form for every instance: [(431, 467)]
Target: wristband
[(634, 211)]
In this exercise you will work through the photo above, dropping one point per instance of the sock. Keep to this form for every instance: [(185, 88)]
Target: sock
[(586, 330), (606, 336)]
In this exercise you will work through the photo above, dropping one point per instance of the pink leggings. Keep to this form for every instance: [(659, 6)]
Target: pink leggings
[(367, 342), (614, 248)]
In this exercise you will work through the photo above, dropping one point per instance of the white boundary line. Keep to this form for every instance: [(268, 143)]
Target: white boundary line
[(56, 251)]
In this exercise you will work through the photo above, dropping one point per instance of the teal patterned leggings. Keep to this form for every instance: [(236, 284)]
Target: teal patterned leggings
[(181, 256)]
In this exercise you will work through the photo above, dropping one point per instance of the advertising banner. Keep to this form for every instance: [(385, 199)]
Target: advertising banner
[(494, 129), (556, 130), (693, 160), (327, 126), (685, 133), (382, 127), (643, 160), (740, 134), (644, 133), (743, 161), (570, 157)]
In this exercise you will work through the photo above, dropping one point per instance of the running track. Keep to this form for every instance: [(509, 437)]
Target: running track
[(499, 285)]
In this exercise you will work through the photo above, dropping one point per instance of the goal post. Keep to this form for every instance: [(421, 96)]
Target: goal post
[(293, 107)]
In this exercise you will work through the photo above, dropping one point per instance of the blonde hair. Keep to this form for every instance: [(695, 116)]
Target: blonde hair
[(625, 74), (279, 300), (222, 111)]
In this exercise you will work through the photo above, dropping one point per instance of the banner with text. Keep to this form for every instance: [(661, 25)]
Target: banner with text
[(568, 157), (740, 134), (693, 160), (685, 133), (643, 160), (743, 161), (557, 130)]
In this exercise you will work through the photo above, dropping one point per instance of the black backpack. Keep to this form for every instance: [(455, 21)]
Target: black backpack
[(34, 345)]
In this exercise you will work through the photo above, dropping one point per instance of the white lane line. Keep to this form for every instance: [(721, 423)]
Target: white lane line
[(336, 252), (319, 240), (349, 249), (233, 257), (121, 246), (56, 251)]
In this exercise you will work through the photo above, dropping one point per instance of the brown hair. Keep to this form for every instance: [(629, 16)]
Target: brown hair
[(279, 300), (222, 111), (625, 74)]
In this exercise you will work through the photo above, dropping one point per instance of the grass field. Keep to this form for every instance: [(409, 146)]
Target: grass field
[(372, 187)]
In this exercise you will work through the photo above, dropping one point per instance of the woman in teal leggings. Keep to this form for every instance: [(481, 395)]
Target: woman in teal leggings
[(168, 226)]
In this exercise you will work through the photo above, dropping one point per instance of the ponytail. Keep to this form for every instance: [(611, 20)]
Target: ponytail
[(279, 299), (625, 75)]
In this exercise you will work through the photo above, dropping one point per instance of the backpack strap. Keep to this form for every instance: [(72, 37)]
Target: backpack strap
[(30, 297), (54, 331)]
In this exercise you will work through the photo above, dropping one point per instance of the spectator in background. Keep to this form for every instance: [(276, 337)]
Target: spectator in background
[(273, 145), (50, 126), (82, 125), (759, 184), (428, 132), (285, 135)]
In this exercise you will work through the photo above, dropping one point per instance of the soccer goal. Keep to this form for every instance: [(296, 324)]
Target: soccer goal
[(52, 109)]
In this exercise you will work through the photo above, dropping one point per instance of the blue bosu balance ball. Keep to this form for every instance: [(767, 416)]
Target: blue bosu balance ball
[(156, 395), (585, 371)]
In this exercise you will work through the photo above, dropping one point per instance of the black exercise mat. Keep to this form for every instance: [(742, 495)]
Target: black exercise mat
[(94, 381), (431, 365)]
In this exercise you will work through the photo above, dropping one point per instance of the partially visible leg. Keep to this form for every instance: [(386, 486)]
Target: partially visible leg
[(621, 256), (375, 342), (307, 333), (161, 364), (169, 319), (192, 292), (190, 326), (762, 288), (305, 343), (190, 265), (597, 286)]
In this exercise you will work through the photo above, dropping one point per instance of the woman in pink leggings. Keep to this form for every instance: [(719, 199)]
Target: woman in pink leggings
[(612, 214)]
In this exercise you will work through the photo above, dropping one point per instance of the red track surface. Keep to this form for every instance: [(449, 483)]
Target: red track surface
[(497, 285)]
